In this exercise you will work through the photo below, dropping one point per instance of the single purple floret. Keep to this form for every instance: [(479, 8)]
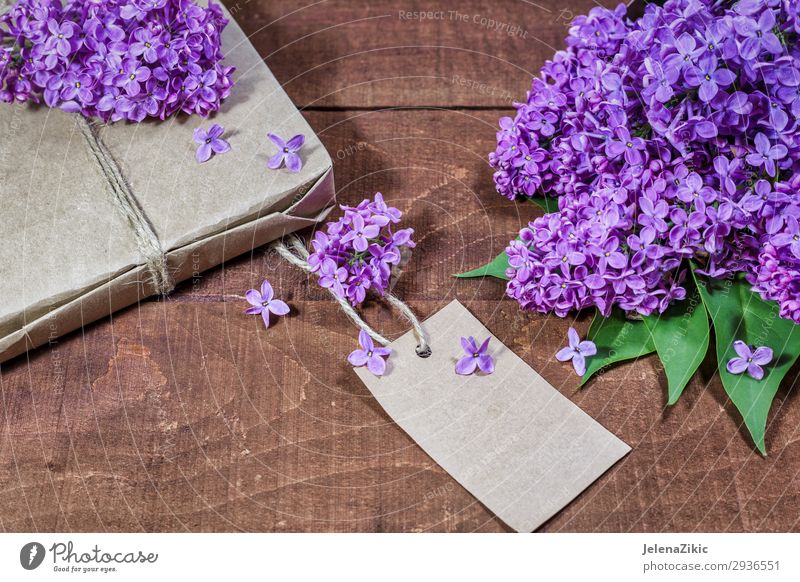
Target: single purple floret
[(577, 351), (625, 145), (333, 277), (766, 154), (361, 233), (749, 360), (263, 303), (475, 358), (210, 142), (287, 152), (369, 355)]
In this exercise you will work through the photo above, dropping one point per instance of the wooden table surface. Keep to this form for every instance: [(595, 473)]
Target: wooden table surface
[(185, 415)]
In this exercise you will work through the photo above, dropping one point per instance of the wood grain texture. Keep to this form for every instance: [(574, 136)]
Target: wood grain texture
[(186, 415), (389, 53)]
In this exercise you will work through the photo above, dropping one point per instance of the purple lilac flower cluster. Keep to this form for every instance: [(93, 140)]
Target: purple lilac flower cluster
[(115, 59), (357, 252), (667, 141)]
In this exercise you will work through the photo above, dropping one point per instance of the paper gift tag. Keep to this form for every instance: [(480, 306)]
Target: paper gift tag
[(509, 438)]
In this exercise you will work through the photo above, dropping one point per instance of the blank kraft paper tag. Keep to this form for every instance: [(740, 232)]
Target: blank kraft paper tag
[(510, 438)]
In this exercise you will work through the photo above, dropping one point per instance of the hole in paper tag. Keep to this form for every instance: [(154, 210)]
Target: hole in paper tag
[(510, 438)]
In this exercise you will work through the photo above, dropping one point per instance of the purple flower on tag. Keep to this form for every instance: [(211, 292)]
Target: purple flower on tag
[(475, 358), (210, 142), (577, 351), (263, 303), (749, 360), (369, 355), (287, 152)]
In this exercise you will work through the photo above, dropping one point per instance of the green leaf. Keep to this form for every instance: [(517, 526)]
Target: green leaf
[(740, 314), (681, 336), (546, 203), (496, 268), (617, 339)]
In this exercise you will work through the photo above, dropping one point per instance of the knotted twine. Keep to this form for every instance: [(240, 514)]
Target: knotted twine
[(298, 256), (125, 202)]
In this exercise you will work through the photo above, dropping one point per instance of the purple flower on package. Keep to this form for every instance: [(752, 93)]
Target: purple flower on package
[(115, 60), (749, 360), (287, 152), (60, 36), (263, 303), (577, 351), (210, 142), (476, 357), (369, 355)]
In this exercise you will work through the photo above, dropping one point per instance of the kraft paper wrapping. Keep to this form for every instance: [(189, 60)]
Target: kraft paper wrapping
[(69, 256), (510, 438)]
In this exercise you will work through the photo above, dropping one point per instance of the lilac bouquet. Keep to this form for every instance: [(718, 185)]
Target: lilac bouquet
[(666, 152), (115, 59), (358, 251)]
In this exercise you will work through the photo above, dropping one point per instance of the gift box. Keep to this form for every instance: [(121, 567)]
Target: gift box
[(97, 217)]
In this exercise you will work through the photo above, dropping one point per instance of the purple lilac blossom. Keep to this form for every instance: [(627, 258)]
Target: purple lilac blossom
[(671, 139), (115, 59), (749, 360), (210, 142), (358, 251), (475, 357), (369, 355), (287, 152), (577, 351), (263, 303)]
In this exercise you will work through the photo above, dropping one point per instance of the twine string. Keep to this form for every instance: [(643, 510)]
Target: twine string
[(125, 202), (298, 256), (343, 303)]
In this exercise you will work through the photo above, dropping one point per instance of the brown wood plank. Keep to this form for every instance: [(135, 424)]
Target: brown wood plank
[(382, 53), (186, 415)]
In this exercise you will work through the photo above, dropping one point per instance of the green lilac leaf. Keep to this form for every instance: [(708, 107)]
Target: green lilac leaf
[(546, 203), (496, 268), (617, 339), (681, 337), (740, 314)]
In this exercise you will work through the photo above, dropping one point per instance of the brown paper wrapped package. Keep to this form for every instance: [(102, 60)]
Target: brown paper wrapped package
[(96, 218)]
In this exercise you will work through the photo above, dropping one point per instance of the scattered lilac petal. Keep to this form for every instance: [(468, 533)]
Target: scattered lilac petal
[(475, 357)]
